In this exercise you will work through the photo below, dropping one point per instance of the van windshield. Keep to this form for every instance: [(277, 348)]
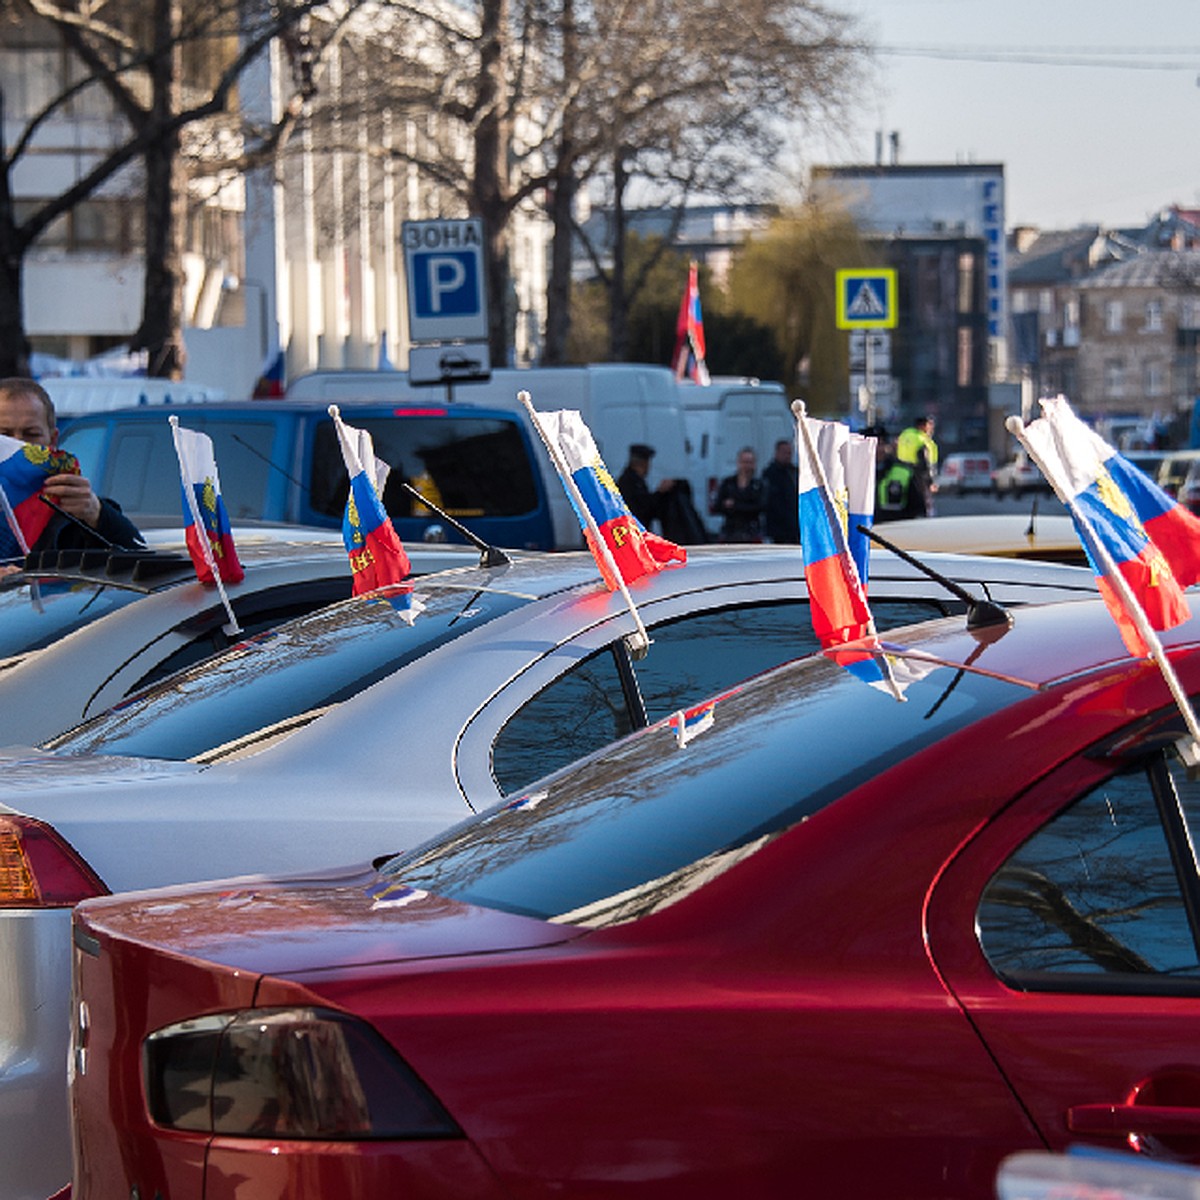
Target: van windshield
[(469, 466)]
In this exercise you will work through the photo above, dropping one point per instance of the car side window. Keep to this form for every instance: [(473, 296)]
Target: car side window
[(697, 656), (689, 660), (583, 710), (1100, 890)]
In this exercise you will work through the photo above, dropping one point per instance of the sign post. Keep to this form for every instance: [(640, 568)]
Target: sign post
[(866, 299), (447, 301)]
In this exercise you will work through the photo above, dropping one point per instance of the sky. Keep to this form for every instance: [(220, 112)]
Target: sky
[(1093, 106)]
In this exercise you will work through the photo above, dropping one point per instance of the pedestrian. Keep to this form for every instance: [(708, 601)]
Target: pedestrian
[(85, 521), (648, 506), (781, 480), (916, 449), (739, 501)]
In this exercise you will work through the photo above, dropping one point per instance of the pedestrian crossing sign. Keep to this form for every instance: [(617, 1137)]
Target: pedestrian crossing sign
[(866, 298)]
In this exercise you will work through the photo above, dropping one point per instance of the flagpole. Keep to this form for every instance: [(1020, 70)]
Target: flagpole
[(202, 531), (1190, 754), (642, 638), (14, 526)]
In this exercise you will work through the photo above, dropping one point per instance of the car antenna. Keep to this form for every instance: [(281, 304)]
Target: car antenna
[(62, 512), (1031, 532), (980, 613), (489, 556)]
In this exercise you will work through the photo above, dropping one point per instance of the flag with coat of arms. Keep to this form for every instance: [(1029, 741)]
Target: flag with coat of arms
[(377, 556), (631, 548), (24, 469), (1143, 545), (205, 519)]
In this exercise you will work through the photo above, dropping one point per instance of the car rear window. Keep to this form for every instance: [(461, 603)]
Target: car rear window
[(35, 614), (306, 665), (638, 824), (469, 466)]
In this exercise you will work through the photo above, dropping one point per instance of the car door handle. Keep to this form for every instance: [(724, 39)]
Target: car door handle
[(1120, 1119)]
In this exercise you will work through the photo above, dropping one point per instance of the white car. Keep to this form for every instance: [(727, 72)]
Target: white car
[(1018, 476), (966, 472), (354, 732)]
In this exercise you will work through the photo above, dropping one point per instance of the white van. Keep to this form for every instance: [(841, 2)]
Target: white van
[(722, 417), (622, 403)]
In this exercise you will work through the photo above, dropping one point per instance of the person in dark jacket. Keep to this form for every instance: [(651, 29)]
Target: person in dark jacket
[(739, 501), (782, 512), (86, 521), (645, 504)]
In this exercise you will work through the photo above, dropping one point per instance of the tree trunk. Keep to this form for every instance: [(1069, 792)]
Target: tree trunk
[(161, 330), (490, 185), (562, 208), (14, 344), (618, 301), (558, 286)]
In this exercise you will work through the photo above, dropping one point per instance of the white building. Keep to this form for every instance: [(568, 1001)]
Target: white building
[(304, 256)]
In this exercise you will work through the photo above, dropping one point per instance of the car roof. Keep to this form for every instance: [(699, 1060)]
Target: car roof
[(1047, 538)]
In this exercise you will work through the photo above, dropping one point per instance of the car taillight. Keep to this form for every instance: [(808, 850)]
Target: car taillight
[(38, 869), (301, 1073)]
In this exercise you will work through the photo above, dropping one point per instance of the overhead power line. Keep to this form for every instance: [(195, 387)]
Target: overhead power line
[(1140, 58)]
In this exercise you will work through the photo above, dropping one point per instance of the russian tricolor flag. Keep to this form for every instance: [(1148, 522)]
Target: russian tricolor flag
[(690, 348), (634, 549), (377, 556), (1151, 540), (24, 468), (205, 520), (837, 489)]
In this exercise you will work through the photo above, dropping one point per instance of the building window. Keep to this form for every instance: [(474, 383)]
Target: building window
[(966, 283), (966, 348), (1114, 378), (1045, 302), (1154, 317), (1114, 316), (1020, 301), (1156, 379)]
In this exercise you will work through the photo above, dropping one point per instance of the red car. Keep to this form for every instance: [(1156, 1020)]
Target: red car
[(813, 941)]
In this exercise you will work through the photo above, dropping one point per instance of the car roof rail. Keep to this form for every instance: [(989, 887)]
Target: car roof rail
[(142, 569)]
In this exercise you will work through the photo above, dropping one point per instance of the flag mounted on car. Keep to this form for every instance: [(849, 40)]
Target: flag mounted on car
[(634, 550), (689, 357), (836, 470), (1144, 546), (624, 549), (377, 556), (24, 469), (205, 519), (836, 484)]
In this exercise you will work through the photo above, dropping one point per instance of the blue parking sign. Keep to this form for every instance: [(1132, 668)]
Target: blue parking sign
[(446, 296), (445, 284)]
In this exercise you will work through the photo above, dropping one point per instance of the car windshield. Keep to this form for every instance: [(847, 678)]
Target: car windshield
[(308, 664), (35, 613), (628, 830)]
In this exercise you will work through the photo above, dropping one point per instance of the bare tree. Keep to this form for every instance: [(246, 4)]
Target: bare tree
[(689, 101), (167, 67)]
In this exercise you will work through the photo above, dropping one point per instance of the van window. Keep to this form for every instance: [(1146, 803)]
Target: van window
[(468, 466), (141, 471)]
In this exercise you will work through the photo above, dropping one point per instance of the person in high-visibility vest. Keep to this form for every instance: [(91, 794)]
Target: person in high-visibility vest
[(915, 446)]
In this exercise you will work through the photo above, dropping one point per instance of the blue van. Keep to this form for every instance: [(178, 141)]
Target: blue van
[(280, 461)]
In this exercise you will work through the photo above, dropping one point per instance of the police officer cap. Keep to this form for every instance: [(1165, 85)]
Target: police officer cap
[(641, 450)]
